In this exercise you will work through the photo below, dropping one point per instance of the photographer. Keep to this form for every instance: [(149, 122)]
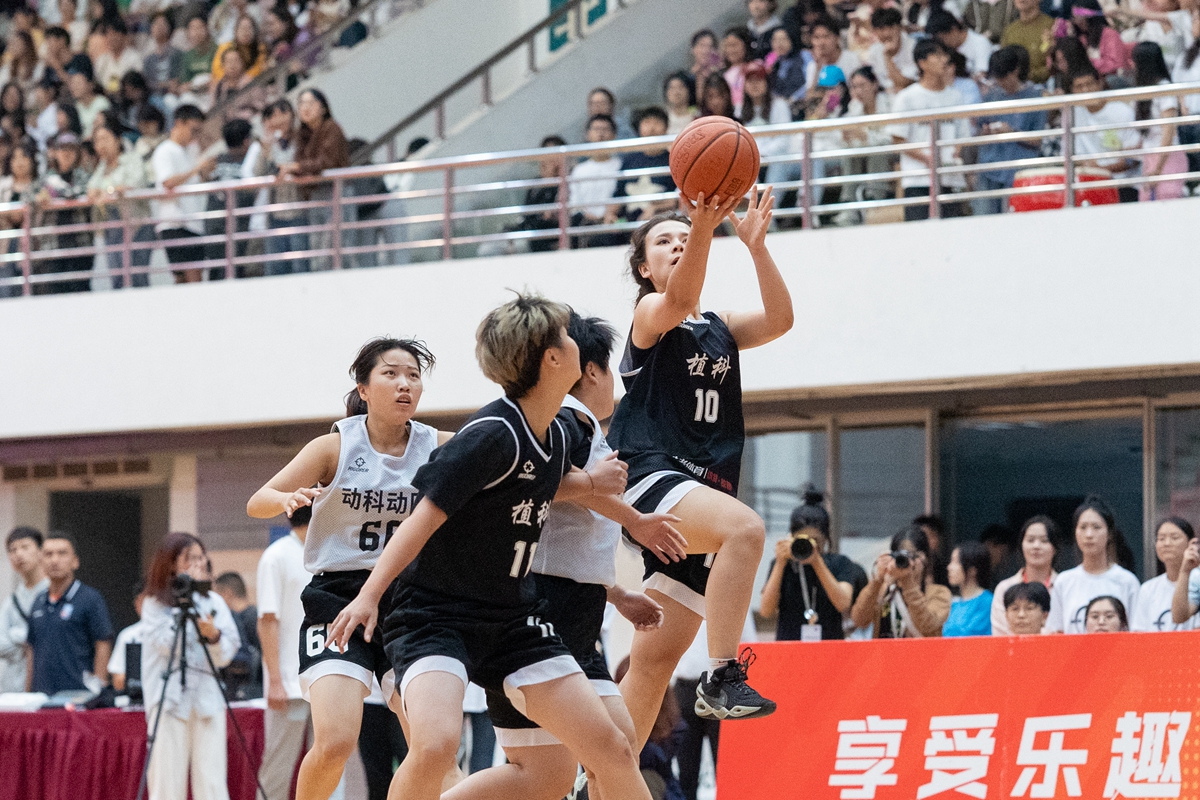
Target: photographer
[(807, 586), (900, 600), (192, 726)]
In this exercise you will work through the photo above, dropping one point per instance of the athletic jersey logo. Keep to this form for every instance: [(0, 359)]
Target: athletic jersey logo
[(358, 465), (527, 472)]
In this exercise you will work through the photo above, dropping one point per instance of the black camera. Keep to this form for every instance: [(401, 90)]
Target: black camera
[(903, 558), (184, 585), (803, 546)]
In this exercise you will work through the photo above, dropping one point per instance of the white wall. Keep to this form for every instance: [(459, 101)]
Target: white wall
[(1076, 290)]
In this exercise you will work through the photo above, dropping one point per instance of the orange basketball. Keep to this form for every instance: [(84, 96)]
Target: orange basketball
[(716, 156)]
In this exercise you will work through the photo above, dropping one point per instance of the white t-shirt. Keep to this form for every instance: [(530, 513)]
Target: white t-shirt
[(1182, 73), (918, 98), (848, 61), (978, 49), (877, 60), (170, 159), (281, 579), (1107, 141), (1153, 608), (130, 635), (1075, 588), (1152, 137), (593, 184)]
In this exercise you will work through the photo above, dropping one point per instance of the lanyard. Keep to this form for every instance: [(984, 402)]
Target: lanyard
[(810, 615)]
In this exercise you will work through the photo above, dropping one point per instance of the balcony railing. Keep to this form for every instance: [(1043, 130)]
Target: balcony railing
[(456, 207)]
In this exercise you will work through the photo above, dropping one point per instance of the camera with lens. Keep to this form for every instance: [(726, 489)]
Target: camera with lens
[(183, 586), (903, 558), (803, 544)]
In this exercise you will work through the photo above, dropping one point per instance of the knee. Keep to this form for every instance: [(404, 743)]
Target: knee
[(613, 750), (749, 531), (333, 750), (434, 752)]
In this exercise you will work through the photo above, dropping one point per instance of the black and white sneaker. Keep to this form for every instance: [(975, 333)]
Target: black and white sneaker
[(726, 695)]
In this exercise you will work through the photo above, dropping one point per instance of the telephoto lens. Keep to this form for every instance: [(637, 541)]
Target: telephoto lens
[(802, 546)]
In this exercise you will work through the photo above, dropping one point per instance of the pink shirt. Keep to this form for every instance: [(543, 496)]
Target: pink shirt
[(1111, 56)]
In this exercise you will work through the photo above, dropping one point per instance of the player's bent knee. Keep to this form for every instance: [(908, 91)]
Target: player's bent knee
[(333, 750), (434, 752)]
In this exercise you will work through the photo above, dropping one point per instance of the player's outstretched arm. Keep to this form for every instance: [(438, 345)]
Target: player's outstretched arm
[(755, 328), (638, 608), (655, 532), (607, 476), (660, 312), (397, 554), (294, 485)]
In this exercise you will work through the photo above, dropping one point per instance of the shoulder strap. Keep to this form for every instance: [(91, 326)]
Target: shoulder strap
[(17, 606)]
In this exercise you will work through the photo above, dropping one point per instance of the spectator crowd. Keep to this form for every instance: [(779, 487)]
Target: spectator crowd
[(98, 99)]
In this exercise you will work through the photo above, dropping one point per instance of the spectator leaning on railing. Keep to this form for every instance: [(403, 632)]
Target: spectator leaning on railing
[(1010, 83), (320, 145), (175, 216), (117, 172)]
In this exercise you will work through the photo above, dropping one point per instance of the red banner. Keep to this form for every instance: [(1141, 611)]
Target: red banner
[(1102, 716)]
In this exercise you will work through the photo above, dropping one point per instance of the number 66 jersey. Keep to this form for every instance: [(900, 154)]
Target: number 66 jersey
[(682, 412), (371, 494)]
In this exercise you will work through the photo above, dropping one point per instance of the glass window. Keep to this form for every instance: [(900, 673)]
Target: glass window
[(882, 487), (776, 465), (1003, 473), (1177, 463)]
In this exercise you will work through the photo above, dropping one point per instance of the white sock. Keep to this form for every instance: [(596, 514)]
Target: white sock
[(716, 663)]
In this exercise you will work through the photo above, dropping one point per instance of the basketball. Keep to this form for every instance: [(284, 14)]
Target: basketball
[(716, 156)]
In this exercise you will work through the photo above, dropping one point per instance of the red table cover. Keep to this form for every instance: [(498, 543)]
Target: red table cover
[(98, 755)]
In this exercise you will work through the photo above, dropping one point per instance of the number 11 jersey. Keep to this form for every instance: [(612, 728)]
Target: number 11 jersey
[(682, 411), (371, 494)]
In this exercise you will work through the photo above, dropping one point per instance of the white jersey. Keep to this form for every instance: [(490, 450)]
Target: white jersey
[(578, 543), (1152, 608), (370, 496)]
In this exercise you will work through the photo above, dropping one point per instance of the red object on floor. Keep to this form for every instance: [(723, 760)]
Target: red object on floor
[(1054, 176), (98, 755)]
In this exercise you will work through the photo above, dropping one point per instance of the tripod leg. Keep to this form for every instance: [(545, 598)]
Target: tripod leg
[(245, 748), (176, 649)]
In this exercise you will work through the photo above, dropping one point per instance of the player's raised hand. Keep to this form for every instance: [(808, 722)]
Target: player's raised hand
[(709, 212), (656, 532), (298, 498), (609, 475), (638, 608), (752, 228), (360, 612)]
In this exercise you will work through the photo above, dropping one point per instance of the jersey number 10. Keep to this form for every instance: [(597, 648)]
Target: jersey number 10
[(708, 404)]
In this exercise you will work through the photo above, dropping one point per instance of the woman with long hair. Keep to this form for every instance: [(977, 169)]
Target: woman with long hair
[(716, 99), (679, 98), (247, 42), (358, 480), (970, 572), (760, 105), (320, 145), (191, 720), (680, 429), (901, 601), (1104, 46), (21, 65), (1150, 69), (705, 58), (17, 185), (1066, 57), (1099, 544), (735, 53), (1187, 70)]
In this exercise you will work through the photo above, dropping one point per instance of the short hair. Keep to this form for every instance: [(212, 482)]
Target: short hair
[(886, 18), (1033, 592), (24, 532), (1082, 71), (602, 118), (149, 113), (301, 517), (281, 104), (828, 23), (701, 34), (612, 98), (165, 17), (553, 140), (416, 144), (512, 339), (942, 22), (236, 132), (924, 48), (57, 32), (188, 113), (1004, 61), (231, 582), (596, 339), (651, 112), (64, 536), (686, 80)]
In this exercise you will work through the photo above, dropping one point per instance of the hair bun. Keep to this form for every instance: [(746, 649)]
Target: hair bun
[(811, 496)]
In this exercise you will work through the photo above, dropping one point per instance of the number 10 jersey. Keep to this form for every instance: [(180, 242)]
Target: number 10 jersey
[(371, 494)]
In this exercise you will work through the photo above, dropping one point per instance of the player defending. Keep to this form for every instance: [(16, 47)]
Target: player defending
[(466, 608), (680, 429), (363, 473)]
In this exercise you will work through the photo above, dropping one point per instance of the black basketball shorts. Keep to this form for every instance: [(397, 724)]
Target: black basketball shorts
[(324, 598), (683, 581), (576, 610), (501, 649)]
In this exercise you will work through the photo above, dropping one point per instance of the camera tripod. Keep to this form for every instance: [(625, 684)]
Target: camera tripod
[(185, 611)]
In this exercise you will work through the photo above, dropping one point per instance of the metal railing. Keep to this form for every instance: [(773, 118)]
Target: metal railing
[(347, 219), (482, 74)]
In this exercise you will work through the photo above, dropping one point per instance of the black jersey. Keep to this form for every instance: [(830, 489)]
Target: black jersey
[(682, 410), (495, 480)]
